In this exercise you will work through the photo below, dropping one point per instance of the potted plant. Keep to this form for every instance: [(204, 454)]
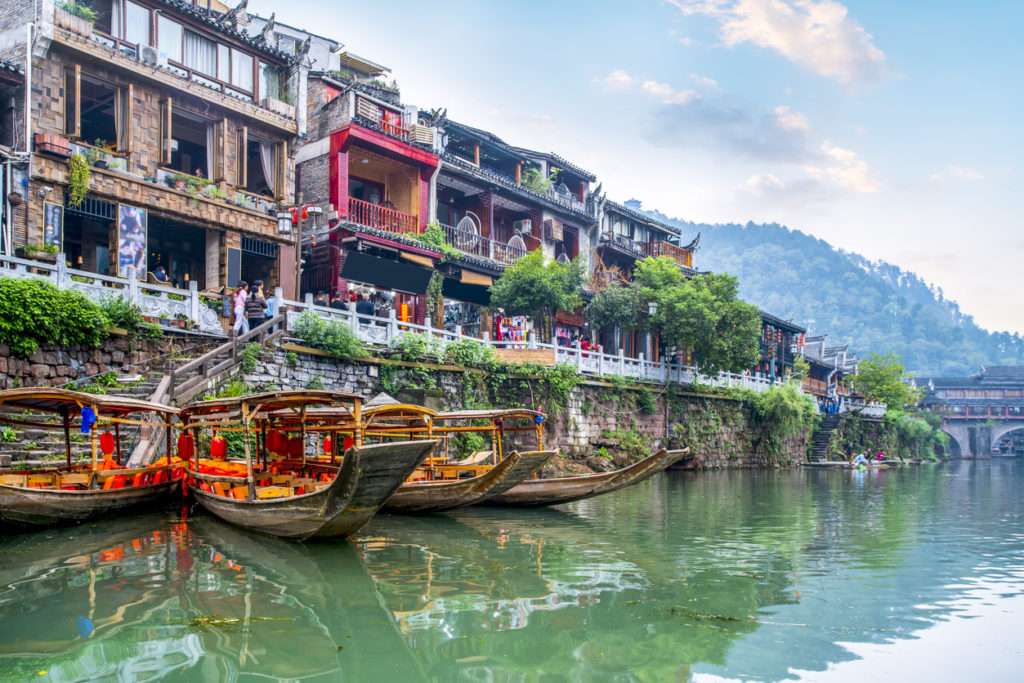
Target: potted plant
[(55, 145), (180, 319), (118, 165), (78, 179), (97, 156), (164, 321), (47, 253)]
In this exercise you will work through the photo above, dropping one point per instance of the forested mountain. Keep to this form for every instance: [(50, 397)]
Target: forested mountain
[(873, 306)]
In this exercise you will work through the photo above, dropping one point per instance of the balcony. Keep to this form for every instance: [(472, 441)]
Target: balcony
[(484, 247), (561, 200), (677, 254), (623, 243), (382, 218)]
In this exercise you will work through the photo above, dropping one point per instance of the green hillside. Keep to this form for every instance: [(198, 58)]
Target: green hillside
[(873, 306)]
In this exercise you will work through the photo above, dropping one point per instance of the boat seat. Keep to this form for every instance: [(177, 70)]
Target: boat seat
[(76, 480), (12, 480), (43, 481)]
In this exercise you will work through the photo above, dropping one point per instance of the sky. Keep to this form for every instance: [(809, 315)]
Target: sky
[(888, 128)]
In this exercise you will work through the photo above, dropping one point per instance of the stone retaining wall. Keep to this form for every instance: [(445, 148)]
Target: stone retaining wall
[(53, 365), (602, 427)]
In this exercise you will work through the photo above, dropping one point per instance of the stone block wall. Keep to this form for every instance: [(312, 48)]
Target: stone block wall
[(53, 365), (601, 427), (863, 435)]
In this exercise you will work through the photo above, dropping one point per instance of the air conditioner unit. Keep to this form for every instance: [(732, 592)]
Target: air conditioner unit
[(553, 230), (524, 227), (152, 56), (423, 135)]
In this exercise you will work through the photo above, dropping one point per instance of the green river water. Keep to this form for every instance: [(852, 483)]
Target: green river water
[(900, 574)]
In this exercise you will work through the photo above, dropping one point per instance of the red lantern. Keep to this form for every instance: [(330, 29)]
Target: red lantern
[(327, 445), (186, 446), (295, 447), (107, 444), (218, 448), (349, 443)]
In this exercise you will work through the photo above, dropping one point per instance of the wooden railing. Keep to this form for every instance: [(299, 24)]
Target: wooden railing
[(815, 385), (485, 247), (677, 254), (205, 370), (382, 218)]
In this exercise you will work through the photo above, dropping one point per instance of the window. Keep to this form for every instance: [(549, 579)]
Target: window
[(170, 34), (223, 63), (241, 70), (200, 53), (270, 81), (264, 167), (191, 144), (97, 112), (286, 44), (136, 24)]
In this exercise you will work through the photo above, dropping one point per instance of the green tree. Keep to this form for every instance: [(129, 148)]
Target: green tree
[(617, 305), (882, 377), (537, 289), (704, 315)]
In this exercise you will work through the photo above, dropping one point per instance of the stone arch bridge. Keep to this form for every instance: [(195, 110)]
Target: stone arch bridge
[(979, 409)]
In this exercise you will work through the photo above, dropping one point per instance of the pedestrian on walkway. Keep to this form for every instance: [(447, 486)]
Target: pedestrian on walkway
[(241, 325), (256, 305)]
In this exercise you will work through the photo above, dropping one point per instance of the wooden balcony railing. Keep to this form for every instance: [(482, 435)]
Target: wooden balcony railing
[(677, 254), (815, 386), (382, 218), (485, 247)]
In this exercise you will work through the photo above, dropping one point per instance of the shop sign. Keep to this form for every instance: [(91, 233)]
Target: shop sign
[(132, 224)]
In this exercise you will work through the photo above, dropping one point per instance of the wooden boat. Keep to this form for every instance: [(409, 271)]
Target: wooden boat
[(533, 492), (440, 483), (300, 507), (443, 488), (80, 491)]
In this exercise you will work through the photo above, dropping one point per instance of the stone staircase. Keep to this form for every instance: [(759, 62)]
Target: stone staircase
[(822, 437)]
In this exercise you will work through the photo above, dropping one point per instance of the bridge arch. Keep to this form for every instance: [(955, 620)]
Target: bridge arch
[(1002, 429), (954, 449)]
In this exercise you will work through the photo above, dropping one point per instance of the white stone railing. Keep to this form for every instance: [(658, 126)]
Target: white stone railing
[(153, 300), (862, 407), (383, 331)]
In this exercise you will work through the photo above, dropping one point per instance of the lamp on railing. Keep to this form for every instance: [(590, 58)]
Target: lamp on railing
[(284, 222)]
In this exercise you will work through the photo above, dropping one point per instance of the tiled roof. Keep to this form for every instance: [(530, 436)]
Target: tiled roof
[(198, 13), (640, 216)]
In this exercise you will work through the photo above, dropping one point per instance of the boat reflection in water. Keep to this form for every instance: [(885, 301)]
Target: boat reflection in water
[(199, 600)]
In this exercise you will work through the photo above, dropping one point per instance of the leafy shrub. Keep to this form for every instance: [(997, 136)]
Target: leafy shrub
[(334, 337), (78, 10), (33, 311), (250, 354), (467, 443), (470, 354), (128, 316), (784, 411), (8, 435), (414, 347)]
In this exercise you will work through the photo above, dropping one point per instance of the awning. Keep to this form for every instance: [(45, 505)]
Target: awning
[(386, 274), (462, 291)]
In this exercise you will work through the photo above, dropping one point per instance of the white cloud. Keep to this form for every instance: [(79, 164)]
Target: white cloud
[(849, 170), (789, 119), (965, 173), (817, 34), (617, 80), (704, 81), (668, 94), (763, 182)]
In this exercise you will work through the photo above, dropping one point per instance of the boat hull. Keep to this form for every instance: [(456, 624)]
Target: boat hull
[(24, 507), (436, 496), (369, 475), (536, 492)]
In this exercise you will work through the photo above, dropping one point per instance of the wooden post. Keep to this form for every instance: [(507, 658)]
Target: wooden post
[(169, 451), (67, 437), (92, 441), (519, 173), (476, 154), (263, 446), (357, 418), (117, 440), (248, 452), (303, 433)]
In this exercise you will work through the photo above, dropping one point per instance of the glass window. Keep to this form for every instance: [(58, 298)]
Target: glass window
[(170, 35), (241, 70), (224, 63), (286, 44), (200, 53), (136, 24), (270, 81)]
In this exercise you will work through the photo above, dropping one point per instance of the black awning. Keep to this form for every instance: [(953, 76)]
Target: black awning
[(386, 274), (461, 291)]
